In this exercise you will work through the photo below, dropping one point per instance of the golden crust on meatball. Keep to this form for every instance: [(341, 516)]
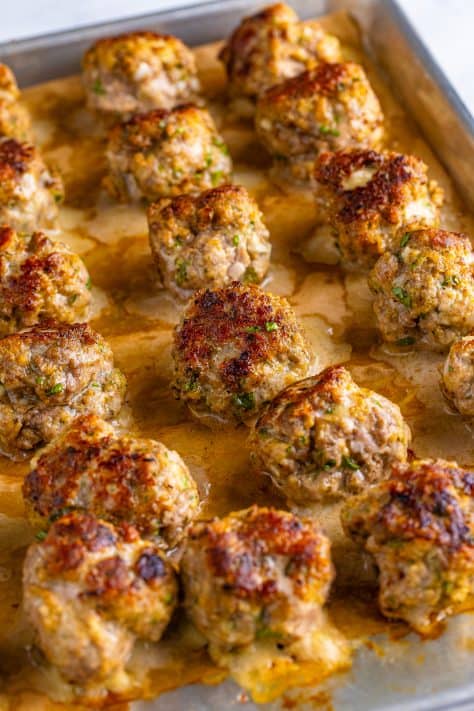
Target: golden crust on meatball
[(14, 118), (40, 280), (419, 527), (208, 240), (256, 573), (424, 292), (325, 437), (29, 192), (49, 375), (457, 381), (369, 198), (234, 349), (116, 478), (90, 589), (166, 153), (329, 108), (137, 72), (271, 46)]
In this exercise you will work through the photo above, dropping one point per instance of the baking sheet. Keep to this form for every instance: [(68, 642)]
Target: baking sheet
[(386, 673)]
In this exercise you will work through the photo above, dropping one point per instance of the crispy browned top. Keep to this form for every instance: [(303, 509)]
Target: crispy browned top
[(142, 130), (425, 501), (52, 331), (325, 79), (237, 545), (126, 36), (381, 194), (238, 314), (439, 239), (15, 158)]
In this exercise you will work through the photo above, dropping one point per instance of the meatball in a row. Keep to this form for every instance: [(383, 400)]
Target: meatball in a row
[(14, 118), (29, 192), (269, 47), (458, 376), (419, 527), (325, 437), (209, 240), (120, 479), (49, 375), (256, 574), (90, 589), (424, 289), (40, 280), (166, 153), (370, 199), (138, 72), (234, 349), (330, 108)]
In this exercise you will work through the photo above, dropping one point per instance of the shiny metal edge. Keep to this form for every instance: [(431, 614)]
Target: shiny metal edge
[(410, 67)]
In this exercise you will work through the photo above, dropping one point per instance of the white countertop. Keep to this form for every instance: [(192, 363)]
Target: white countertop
[(446, 27)]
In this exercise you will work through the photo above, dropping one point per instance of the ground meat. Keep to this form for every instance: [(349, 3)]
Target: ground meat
[(40, 280), (14, 118), (256, 574), (370, 199), (269, 47), (234, 349), (209, 240), (48, 376), (116, 478), (166, 153), (138, 72), (424, 292), (29, 192), (458, 376), (325, 437), (329, 108), (90, 589), (418, 526)]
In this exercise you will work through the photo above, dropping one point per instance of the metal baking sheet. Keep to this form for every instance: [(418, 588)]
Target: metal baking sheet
[(407, 674)]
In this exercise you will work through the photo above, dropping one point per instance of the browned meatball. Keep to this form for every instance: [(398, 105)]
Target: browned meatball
[(166, 153), (48, 376), (256, 574), (271, 46), (40, 279), (458, 375), (419, 526), (89, 590), (137, 72), (325, 437), (29, 193), (117, 478), (369, 199), (424, 293), (234, 349), (326, 109), (209, 240), (14, 118)]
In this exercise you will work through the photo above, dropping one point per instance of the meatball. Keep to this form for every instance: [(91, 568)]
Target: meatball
[(418, 526), (29, 193), (138, 72), (325, 109), (14, 118), (271, 46), (40, 279), (424, 293), (458, 375), (256, 574), (325, 437), (166, 153), (234, 349), (49, 375), (89, 590), (209, 240), (116, 478), (368, 198)]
